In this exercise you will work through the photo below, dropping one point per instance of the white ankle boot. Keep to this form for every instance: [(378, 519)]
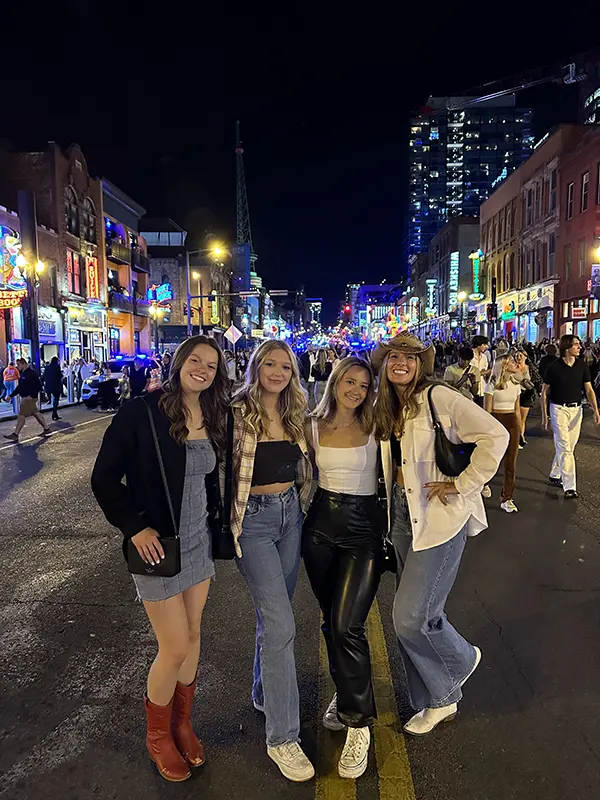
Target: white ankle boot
[(428, 719)]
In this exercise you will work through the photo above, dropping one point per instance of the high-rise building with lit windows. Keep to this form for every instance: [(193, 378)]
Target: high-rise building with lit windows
[(459, 153)]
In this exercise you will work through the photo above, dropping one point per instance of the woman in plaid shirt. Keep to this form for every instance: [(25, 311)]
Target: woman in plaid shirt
[(273, 485)]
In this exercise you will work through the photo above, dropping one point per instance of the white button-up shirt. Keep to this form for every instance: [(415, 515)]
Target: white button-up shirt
[(463, 421)]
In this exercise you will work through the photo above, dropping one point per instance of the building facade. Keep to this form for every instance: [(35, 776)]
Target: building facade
[(457, 157)]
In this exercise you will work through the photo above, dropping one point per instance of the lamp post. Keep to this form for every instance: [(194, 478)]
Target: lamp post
[(198, 278), (462, 296), (217, 252), (156, 313)]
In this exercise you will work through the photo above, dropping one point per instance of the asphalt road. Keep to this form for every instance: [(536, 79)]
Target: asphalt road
[(75, 647)]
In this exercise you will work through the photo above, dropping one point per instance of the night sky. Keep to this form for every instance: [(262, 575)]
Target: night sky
[(323, 99)]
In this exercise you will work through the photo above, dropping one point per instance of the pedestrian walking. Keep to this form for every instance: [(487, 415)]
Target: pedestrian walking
[(321, 370), (480, 345), (266, 520), (10, 377), (53, 384), (165, 366), (527, 397), (431, 518), (548, 358), (463, 375), (189, 420), (342, 549), (124, 386), (28, 389), (139, 377), (502, 395), (565, 382)]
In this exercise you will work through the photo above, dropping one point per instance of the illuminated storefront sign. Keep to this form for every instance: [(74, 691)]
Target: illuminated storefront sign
[(454, 275), (476, 259), (431, 309), (13, 287), (11, 298), (162, 293), (509, 310), (93, 283)]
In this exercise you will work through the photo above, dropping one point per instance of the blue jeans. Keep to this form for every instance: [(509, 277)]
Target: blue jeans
[(270, 543), (436, 658)]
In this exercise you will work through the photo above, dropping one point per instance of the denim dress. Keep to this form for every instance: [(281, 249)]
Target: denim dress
[(196, 556)]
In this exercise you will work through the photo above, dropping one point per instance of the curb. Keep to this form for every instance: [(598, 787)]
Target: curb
[(12, 417)]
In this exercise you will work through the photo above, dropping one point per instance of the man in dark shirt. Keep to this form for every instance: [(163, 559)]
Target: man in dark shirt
[(565, 381), (138, 377), (28, 389), (549, 358)]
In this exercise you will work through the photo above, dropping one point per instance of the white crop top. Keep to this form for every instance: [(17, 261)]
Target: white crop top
[(504, 399), (346, 470)]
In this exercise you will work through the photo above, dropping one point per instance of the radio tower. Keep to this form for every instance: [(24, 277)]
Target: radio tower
[(244, 232)]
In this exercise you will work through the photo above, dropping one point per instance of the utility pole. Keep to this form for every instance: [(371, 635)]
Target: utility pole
[(29, 243)]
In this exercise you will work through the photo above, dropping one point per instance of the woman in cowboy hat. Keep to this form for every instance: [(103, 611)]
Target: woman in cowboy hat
[(431, 517)]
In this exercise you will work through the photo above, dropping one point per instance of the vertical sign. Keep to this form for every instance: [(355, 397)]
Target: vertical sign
[(431, 297), (453, 283), (93, 284)]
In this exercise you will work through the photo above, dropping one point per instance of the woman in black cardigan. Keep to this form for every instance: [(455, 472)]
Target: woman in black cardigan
[(189, 416)]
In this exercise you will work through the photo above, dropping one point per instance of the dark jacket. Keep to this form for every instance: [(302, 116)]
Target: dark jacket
[(53, 379), (29, 384), (128, 452), (545, 362)]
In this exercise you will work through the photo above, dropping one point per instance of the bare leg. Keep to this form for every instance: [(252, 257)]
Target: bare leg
[(194, 599), (524, 414), (20, 425), (41, 420), (169, 622)]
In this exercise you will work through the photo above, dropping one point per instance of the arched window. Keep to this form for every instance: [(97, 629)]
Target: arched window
[(513, 272), (89, 221), (71, 211)]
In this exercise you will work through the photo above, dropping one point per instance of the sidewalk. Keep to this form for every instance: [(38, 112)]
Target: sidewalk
[(7, 411)]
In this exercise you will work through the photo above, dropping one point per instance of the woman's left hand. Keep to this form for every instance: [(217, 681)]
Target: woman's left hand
[(440, 489)]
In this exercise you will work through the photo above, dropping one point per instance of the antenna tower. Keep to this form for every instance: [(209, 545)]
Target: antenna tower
[(244, 231)]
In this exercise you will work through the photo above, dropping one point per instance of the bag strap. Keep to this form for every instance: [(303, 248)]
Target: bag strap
[(228, 472), (434, 417), (162, 467)]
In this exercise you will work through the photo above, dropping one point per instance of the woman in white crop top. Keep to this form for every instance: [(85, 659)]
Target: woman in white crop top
[(502, 401), (342, 548)]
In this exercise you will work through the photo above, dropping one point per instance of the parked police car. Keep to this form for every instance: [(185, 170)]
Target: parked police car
[(89, 389)]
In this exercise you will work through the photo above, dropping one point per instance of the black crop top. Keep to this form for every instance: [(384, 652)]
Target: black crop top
[(275, 462), (396, 449)]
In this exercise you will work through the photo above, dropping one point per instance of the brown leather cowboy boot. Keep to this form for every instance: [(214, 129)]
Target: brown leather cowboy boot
[(183, 734), (160, 744)]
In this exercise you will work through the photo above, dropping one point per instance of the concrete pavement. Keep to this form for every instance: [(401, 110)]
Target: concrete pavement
[(75, 647)]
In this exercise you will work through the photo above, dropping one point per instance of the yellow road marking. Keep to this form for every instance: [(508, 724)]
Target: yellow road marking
[(393, 766), (329, 785)]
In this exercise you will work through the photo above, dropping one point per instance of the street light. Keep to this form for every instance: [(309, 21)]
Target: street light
[(598, 253), (156, 313), (198, 277), (217, 252)]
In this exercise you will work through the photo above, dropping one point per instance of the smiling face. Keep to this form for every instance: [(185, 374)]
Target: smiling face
[(275, 372), (520, 358), (199, 369), (352, 388), (401, 368)]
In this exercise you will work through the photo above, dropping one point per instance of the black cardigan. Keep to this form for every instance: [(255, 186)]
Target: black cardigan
[(128, 452)]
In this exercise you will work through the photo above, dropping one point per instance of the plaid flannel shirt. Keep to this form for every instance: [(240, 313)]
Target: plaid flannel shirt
[(244, 450)]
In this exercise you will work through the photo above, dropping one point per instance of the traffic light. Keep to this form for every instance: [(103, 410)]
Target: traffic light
[(347, 309), (492, 312)]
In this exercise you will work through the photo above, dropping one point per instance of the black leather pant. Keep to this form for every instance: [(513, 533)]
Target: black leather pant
[(341, 545)]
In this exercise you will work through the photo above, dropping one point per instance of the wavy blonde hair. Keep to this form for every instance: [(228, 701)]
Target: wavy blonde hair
[(500, 377), (391, 414), (328, 406), (292, 400)]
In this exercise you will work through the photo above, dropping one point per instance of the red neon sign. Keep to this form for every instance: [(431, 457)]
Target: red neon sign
[(11, 298), (93, 284)]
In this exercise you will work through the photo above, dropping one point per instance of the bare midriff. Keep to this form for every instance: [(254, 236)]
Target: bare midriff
[(271, 488), (399, 476)]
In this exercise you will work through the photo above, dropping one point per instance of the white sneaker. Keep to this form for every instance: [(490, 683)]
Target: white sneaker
[(355, 755), (428, 719), (477, 660), (508, 506), (292, 762), (331, 721), (486, 491)]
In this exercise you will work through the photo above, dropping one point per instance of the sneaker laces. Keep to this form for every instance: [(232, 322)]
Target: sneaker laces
[(352, 748), (291, 750)]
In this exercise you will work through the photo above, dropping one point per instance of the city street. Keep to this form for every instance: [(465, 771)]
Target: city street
[(75, 647)]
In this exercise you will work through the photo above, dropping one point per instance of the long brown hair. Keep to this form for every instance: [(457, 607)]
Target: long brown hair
[(214, 401), (391, 414), (327, 407), (292, 400)]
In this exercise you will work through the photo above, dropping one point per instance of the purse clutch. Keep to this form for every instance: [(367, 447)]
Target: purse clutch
[(388, 552), (451, 458), (223, 547), (171, 563)]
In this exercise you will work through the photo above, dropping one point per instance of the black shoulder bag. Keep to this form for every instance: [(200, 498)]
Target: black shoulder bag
[(389, 562), (223, 547), (451, 458), (171, 563)]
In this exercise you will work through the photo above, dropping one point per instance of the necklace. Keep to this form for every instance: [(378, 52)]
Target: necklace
[(342, 427)]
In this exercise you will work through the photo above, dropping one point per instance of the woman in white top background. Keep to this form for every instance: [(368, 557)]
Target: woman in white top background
[(502, 401), (342, 548), (432, 516)]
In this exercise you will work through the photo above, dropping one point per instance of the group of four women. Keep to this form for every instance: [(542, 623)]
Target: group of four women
[(277, 518)]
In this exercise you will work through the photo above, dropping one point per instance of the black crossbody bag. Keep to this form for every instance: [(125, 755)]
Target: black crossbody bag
[(170, 565), (389, 562), (219, 524), (451, 458)]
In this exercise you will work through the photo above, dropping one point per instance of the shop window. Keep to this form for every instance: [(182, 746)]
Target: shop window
[(71, 212), (115, 341), (570, 197), (89, 221), (581, 258), (585, 187), (74, 272), (596, 332)]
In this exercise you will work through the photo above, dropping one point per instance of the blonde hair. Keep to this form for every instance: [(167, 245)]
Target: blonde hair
[(391, 413), (327, 407), (500, 377), (292, 400)]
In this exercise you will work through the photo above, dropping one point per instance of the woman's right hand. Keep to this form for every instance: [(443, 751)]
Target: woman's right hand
[(148, 546)]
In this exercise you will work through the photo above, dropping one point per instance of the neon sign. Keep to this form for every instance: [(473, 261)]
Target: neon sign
[(476, 259), (93, 283), (431, 309), (11, 298), (453, 283), (11, 277), (162, 293)]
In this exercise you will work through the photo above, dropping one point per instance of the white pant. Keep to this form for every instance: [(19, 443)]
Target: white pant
[(566, 426)]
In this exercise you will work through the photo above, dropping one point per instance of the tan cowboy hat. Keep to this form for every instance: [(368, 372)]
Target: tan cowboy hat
[(405, 342)]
